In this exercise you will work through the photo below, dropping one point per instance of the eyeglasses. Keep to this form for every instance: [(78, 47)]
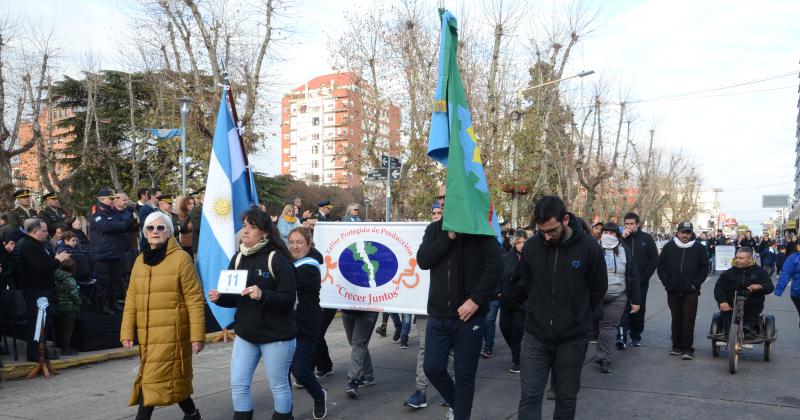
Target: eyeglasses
[(552, 231), (159, 228), (440, 197)]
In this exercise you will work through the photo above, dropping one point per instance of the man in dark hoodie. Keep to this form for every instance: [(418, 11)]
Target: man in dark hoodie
[(563, 279), (682, 268), (464, 270), (645, 256)]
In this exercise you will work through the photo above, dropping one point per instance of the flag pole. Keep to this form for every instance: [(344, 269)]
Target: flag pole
[(227, 86)]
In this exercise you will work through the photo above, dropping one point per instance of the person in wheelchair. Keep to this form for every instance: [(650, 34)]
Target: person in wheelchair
[(744, 277)]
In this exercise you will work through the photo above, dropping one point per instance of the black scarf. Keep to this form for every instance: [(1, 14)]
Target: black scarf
[(154, 256)]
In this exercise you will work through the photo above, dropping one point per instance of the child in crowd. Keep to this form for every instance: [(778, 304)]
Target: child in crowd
[(67, 305)]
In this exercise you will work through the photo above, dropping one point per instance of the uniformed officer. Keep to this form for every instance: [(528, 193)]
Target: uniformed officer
[(165, 205), (23, 211), (324, 213), (52, 214)]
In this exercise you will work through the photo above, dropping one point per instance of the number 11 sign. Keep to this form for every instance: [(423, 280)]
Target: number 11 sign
[(232, 281)]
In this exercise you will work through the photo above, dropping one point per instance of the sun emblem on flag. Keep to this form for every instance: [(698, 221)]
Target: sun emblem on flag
[(222, 209)]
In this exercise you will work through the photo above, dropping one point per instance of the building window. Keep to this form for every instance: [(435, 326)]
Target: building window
[(315, 136), (315, 121), (330, 117), (314, 164), (315, 149)]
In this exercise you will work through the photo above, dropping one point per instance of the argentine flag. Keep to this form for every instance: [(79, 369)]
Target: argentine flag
[(226, 199)]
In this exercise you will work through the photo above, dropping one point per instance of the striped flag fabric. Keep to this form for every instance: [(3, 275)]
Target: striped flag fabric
[(226, 198)]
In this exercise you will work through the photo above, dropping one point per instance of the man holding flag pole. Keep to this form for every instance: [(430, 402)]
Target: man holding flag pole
[(462, 250)]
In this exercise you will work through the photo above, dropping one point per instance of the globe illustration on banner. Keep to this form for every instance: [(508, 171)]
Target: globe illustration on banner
[(368, 264)]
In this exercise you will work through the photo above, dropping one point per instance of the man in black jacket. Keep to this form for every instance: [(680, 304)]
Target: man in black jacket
[(563, 279), (464, 272), (645, 255), (33, 271), (744, 275), (109, 230), (682, 268)]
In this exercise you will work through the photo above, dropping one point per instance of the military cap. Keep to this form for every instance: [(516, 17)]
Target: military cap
[(167, 198), (22, 193), (105, 192), (50, 195), (200, 191), (324, 203)]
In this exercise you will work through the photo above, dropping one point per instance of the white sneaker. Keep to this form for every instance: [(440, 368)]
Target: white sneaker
[(450, 414)]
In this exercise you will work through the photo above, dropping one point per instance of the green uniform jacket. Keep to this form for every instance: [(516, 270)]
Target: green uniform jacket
[(67, 297), (18, 217)]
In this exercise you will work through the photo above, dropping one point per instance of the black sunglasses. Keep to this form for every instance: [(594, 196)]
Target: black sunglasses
[(159, 228)]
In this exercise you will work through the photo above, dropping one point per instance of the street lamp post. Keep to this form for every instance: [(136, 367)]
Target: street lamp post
[(517, 115), (185, 102)]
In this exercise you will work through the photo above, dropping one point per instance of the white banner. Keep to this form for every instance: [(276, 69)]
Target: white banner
[(723, 255), (372, 267)]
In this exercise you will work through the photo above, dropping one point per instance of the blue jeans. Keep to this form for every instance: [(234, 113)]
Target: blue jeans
[(464, 339), (303, 369), (491, 321), (277, 358), (537, 359), (406, 326)]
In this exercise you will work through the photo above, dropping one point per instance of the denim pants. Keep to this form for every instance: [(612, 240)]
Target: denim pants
[(537, 358), (464, 339), (358, 327), (395, 319), (491, 323), (277, 358), (405, 330), (303, 369)]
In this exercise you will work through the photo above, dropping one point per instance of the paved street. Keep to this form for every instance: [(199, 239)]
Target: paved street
[(646, 383)]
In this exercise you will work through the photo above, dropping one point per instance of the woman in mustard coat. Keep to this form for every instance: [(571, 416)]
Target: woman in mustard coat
[(164, 310)]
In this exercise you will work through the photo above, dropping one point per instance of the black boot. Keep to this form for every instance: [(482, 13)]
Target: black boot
[(243, 415), (282, 416), (195, 416)]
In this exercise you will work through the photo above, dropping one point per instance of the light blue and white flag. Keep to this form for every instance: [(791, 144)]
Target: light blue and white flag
[(165, 133), (226, 199)]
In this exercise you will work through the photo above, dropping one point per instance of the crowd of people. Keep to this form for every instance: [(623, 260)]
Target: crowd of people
[(553, 287)]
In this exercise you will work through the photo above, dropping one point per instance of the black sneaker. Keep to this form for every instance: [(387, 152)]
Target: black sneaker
[(404, 343), (323, 374), (675, 352), (687, 356), (605, 367), (352, 389), (636, 343), (364, 382), (620, 345), (321, 406), (514, 368), (396, 336)]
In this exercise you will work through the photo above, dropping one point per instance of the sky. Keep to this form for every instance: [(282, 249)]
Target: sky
[(741, 139)]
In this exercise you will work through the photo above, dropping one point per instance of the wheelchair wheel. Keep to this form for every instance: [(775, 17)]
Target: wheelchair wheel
[(714, 348), (767, 350), (733, 348), (713, 331), (769, 330)]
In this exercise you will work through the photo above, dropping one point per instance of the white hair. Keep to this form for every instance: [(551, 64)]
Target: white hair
[(152, 217)]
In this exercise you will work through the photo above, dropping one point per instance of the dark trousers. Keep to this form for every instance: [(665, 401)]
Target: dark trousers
[(796, 301), (144, 413), (751, 312), (512, 326), (303, 369), (109, 280), (538, 358), (31, 312), (395, 320), (683, 307), (322, 359), (633, 324), (65, 325), (465, 340)]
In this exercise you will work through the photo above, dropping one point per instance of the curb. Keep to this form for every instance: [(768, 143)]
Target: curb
[(16, 370)]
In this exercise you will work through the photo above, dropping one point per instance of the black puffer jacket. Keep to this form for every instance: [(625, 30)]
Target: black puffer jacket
[(644, 252), (467, 267), (270, 318), (109, 230), (308, 313), (683, 270), (562, 284), (736, 278)]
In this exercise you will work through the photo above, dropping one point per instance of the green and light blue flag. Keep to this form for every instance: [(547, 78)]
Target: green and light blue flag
[(469, 207)]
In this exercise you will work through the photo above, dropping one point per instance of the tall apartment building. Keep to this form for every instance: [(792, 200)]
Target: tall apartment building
[(25, 166), (324, 124)]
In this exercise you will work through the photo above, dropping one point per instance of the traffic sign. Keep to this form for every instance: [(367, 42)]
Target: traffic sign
[(385, 161), (377, 174), (395, 173)]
